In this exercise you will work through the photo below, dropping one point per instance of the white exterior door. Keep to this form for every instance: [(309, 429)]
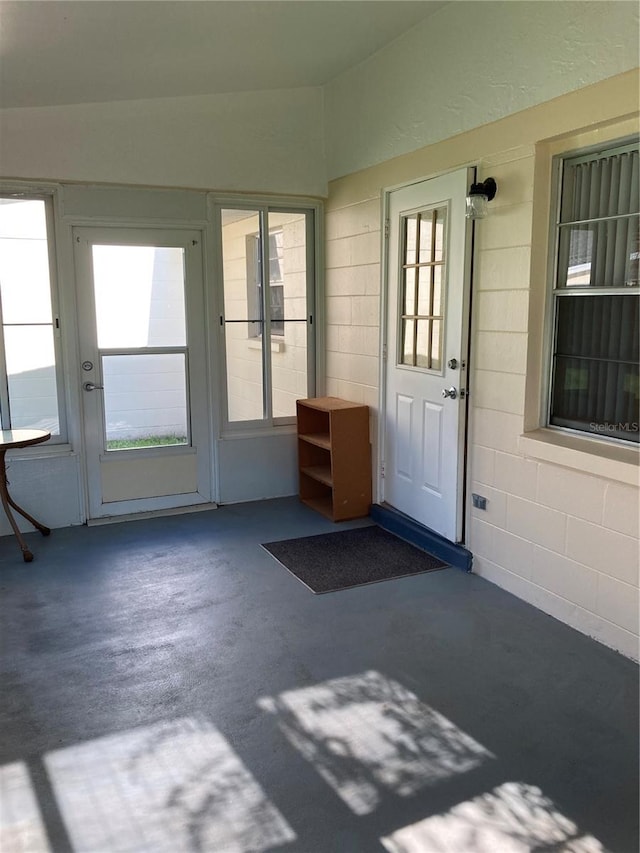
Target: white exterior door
[(426, 377), (144, 389)]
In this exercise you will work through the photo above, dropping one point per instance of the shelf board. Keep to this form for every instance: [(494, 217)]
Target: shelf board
[(321, 505), (321, 473), (320, 439)]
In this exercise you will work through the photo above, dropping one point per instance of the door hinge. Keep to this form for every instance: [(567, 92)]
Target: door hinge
[(384, 351), (382, 470), (387, 227)]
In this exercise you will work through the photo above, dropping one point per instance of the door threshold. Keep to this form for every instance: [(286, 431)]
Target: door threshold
[(407, 528), (154, 513)]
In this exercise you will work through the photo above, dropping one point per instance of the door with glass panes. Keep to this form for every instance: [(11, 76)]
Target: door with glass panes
[(143, 369), (426, 371)]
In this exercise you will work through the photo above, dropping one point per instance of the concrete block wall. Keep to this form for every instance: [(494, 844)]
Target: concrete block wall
[(353, 247), (556, 536), (561, 525)]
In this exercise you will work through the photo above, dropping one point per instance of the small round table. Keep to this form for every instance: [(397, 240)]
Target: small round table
[(11, 439)]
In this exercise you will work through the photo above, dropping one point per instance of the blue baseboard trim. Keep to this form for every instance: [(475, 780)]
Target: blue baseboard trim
[(406, 528)]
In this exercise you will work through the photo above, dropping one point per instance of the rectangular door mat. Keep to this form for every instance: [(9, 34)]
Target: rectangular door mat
[(348, 558)]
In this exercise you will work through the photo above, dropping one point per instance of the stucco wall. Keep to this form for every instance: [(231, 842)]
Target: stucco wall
[(561, 527), (469, 64)]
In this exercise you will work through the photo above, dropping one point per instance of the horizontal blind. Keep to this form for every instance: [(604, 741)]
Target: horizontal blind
[(595, 383)]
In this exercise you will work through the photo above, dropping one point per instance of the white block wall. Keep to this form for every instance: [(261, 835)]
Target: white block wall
[(565, 540)]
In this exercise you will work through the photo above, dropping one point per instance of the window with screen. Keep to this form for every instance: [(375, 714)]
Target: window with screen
[(595, 347), (30, 378)]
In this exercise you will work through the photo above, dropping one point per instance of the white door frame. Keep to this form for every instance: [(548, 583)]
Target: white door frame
[(384, 354)]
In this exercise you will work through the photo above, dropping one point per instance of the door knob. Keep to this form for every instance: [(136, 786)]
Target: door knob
[(450, 392), (90, 386)]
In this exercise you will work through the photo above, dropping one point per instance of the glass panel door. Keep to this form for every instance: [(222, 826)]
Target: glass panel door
[(143, 368)]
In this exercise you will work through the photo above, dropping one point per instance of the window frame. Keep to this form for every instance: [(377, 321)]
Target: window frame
[(559, 159), (313, 210), (50, 198), (255, 299)]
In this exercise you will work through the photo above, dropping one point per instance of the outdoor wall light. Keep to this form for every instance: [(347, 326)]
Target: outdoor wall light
[(478, 197)]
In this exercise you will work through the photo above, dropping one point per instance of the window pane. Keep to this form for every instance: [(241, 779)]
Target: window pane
[(602, 254), (276, 307), (279, 241), (145, 400), (31, 377), (422, 344), (289, 374), (441, 221), (429, 301), (408, 338), (25, 294), (438, 307), (410, 235), (139, 294), (436, 345), (422, 301), (26, 287), (426, 236), (605, 186), (409, 301), (241, 258), (288, 303), (432, 224), (596, 365)]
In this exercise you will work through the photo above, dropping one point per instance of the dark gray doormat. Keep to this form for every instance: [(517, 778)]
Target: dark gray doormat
[(347, 558)]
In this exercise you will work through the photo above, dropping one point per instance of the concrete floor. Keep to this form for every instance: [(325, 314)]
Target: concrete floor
[(167, 686)]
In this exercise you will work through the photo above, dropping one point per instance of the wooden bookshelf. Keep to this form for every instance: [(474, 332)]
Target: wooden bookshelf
[(334, 457)]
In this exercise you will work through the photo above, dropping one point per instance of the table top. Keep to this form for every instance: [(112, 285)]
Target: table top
[(11, 438)]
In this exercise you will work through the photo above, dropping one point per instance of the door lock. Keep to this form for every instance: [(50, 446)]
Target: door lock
[(452, 392)]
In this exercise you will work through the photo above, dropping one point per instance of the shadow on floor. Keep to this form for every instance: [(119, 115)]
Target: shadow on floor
[(167, 686)]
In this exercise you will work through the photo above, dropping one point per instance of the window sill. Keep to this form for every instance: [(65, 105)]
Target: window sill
[(600, 458), (256, 343), (41, 451), (241, 430)]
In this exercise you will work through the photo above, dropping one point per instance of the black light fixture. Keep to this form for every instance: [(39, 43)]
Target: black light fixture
[(478, 197)]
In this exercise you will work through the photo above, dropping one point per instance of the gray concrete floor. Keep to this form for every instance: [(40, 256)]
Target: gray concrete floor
[(166, 685)]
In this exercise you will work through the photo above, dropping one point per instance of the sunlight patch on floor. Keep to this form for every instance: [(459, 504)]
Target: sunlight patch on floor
[(514, 818), (21, 827), (368, 735), (171, 786)]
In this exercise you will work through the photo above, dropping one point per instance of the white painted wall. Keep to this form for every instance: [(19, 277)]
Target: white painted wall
[(258, 141), (469, 64)]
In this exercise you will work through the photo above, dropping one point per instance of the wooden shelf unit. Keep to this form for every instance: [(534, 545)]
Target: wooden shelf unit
[(334, 457)]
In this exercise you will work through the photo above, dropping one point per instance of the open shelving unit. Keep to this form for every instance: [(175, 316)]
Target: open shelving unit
[(334, 457)]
